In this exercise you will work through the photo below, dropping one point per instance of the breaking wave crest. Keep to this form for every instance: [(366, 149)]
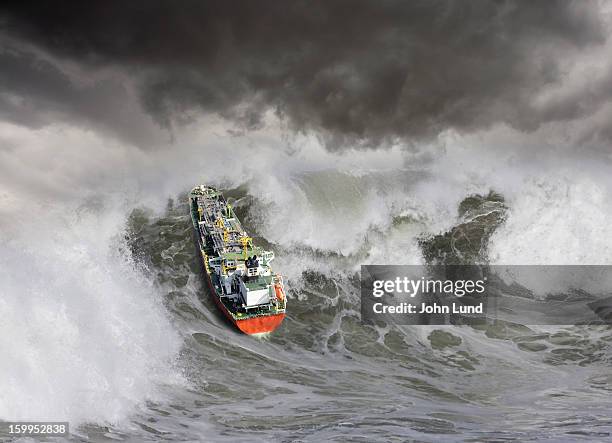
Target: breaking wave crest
[(83, 334)]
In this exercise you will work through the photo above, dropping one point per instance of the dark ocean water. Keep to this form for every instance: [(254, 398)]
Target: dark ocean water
[(325, 376)]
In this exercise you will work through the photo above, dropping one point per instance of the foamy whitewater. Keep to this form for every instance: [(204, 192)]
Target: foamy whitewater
[(84, 333), (106, 322)]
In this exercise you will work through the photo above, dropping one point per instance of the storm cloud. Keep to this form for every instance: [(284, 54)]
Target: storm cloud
[(354, 71)]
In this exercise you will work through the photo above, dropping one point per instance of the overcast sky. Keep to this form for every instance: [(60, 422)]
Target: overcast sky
[(353, 71)]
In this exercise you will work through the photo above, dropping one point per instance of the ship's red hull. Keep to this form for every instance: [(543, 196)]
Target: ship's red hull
[(256, 325)]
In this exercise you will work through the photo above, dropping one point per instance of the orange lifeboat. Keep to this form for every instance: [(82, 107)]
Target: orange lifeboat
[(279, 292)]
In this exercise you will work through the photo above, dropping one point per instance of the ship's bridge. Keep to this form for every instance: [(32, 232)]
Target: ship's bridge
[(256, 290)]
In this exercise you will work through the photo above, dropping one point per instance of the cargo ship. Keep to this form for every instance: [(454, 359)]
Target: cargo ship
[(239, 275)]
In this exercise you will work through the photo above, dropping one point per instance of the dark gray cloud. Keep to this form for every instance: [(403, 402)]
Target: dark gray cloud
[(36, 93), (353, 70)]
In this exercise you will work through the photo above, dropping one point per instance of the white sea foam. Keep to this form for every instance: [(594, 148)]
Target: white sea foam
[(561, 218), (83, 335)]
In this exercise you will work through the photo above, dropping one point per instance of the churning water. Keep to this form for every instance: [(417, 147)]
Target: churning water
[(106, 321)]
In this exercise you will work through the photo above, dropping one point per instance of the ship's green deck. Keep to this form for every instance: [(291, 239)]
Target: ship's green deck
[(240, 255)]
